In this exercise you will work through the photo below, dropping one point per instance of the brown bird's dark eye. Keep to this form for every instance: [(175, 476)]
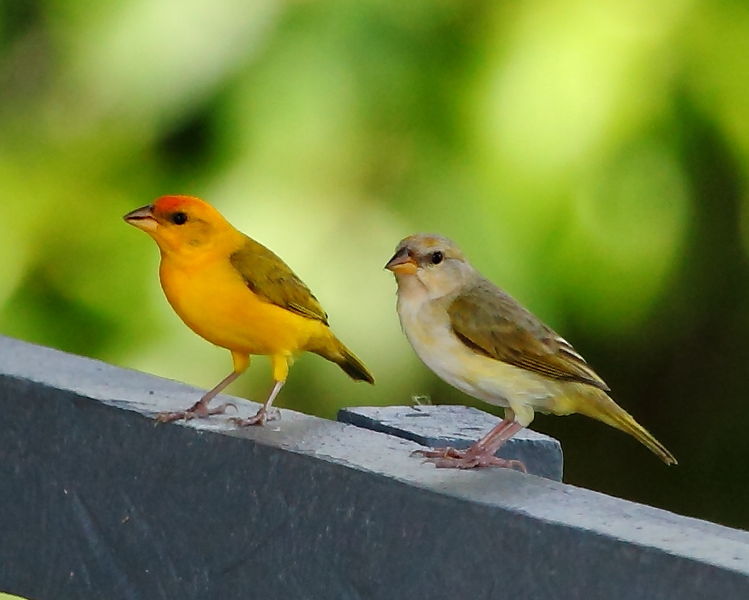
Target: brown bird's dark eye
[(437, 257), (179, 218)]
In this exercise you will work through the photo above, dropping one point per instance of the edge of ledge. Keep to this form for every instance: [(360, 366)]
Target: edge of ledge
[(387, 456)]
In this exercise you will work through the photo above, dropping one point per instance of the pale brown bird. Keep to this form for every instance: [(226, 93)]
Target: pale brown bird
[(483, 342)]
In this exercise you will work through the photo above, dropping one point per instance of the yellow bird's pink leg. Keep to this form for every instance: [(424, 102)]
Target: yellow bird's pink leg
[(480, 454), (200, 409), (280, 372)]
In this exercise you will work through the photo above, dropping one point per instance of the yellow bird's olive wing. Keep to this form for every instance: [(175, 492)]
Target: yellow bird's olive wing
[(272, 279), (491, 322)]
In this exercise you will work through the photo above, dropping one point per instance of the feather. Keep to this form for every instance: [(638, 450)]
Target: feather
[(492, 322), (271, 278)]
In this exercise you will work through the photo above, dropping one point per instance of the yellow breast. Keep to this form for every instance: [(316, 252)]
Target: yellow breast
[(214, 301)]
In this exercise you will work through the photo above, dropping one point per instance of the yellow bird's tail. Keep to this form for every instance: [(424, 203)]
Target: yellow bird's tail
[(334, 350), (599, 406)]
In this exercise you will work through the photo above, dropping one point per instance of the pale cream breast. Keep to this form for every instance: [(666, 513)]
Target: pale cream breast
[(427, 326)]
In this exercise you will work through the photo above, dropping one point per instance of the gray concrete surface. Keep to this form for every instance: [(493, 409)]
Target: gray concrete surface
[(98, 502), (458, 427)]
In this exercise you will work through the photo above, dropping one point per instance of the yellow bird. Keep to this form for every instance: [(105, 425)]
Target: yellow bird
[(237, 294), (483, 342)]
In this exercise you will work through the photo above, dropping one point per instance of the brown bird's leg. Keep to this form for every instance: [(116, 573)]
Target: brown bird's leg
[(200, 409), (280, 372), (482, 453)]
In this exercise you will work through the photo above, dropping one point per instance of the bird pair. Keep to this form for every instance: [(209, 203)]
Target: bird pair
[(237, 294)]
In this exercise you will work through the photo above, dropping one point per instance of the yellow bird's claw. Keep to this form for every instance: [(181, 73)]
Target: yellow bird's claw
[(199, 411), (220, 410), (261, 418)]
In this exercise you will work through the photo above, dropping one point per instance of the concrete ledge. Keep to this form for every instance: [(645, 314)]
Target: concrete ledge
[(459, 427), (97, 502)]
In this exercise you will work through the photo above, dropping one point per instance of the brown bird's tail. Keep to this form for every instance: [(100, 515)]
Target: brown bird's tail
[(600, 406), (334, 350)]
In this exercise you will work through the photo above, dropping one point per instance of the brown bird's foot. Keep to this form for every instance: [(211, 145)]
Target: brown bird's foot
[(477, 462), (199, 411), (450, 458), (448, 452), (261, 418)]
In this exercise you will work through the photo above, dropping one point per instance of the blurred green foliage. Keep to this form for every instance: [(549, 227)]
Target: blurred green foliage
[(590, 157)]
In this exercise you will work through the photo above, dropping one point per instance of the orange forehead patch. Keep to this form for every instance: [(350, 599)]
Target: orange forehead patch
[(173, 203)]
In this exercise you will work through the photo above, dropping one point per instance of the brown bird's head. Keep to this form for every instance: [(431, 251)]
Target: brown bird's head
[(180, 224), (430, 263)]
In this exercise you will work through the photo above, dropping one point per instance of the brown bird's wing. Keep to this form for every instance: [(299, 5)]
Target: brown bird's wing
[(491, 322), (272, 279)]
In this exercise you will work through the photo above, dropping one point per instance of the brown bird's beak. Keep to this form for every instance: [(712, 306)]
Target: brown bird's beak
[(402, 263), (142, 218)]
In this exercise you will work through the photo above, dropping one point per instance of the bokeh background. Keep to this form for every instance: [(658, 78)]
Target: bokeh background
[(591, 157)]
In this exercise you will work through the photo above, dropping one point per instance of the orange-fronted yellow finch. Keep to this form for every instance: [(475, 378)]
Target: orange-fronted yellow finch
[(237, 294), (480, 340)]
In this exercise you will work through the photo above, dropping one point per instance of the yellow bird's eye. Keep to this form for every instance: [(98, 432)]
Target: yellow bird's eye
[(178, 218), (437, 257)]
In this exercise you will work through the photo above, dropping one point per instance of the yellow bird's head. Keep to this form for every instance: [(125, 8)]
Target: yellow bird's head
[(431, 263), (181, 224)]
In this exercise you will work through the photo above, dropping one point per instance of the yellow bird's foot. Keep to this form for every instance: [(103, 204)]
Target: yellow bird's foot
[(473, 458), (199, 411), (261, 418)]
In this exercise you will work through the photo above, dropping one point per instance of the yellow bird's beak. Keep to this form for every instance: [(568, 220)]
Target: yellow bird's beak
[(142, 218), (402, 263)]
